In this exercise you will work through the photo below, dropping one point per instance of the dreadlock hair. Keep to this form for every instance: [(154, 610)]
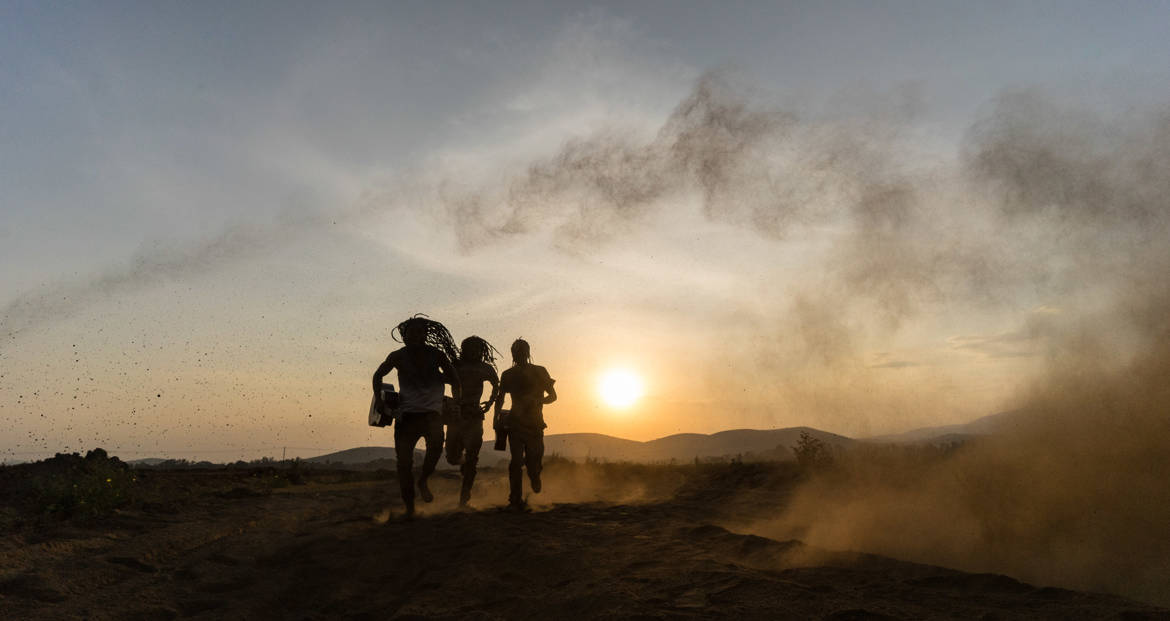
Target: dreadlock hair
[(487, 353), (521, 352), (435, 334)]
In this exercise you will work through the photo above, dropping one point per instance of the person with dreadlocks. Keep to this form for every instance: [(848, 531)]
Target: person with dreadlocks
[(424, 366), (476, 365), (531, 389)]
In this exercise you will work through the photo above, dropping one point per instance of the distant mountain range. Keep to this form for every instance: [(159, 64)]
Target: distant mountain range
[(987, 425), (768, 443), (146, 461), (359, 455), (771, 444)]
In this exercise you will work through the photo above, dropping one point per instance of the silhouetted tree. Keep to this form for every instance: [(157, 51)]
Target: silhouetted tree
[(811, 452)]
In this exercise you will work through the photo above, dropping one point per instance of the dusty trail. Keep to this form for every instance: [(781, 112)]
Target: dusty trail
[(325, 551)]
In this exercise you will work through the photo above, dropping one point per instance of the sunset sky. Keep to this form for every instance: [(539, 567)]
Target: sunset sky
[(860, 217)]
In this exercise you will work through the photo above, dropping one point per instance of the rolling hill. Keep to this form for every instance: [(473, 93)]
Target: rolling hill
[(986, 425), (762, 443)]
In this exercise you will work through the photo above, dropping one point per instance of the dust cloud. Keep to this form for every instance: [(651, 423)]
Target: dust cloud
[(156, 264), (1071, 493), (1072, 490), (848, 183), (1050, 211), (885, 236), (1047, 203), (623, 483)]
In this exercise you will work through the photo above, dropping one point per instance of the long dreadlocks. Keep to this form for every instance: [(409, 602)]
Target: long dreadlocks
[(436, 334), (487, 353)]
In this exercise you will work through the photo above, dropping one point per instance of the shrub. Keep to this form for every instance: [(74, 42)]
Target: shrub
[(812, 452), (69, 485)]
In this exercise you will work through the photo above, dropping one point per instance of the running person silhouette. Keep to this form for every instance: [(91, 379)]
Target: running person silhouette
[(424, 366), (531, 389), (476, 365)]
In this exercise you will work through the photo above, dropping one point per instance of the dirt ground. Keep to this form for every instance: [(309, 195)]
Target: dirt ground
[(234, 548)]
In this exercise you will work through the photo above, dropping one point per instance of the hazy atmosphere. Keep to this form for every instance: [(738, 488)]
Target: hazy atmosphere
[(836, 310), (859, 218)]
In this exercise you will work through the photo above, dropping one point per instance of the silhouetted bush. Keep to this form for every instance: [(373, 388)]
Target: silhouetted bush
[(69, 485), (811, 452)]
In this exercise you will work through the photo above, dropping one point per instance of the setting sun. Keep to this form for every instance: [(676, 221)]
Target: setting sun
[(620, 388)]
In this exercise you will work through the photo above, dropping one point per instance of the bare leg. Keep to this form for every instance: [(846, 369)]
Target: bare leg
[(473, 440), (434, 442), (454, 443), (534, 459), (404, 440), (516, 469)]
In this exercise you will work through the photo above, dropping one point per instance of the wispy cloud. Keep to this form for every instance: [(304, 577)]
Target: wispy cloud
[(1025, 341)]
